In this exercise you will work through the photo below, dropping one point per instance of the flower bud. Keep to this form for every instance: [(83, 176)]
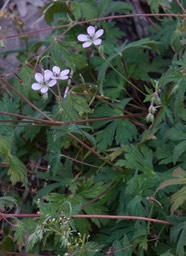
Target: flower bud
[(150, 118), (152, 109)]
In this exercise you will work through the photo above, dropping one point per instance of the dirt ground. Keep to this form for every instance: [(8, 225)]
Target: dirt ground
[(18, 16)]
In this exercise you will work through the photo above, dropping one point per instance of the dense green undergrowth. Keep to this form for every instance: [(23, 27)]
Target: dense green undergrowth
[(109, 138)]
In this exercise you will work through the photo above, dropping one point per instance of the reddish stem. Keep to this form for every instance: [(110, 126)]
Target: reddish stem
[(181, 6), (25, 99), (58, 123), (96, 19), (88, 216)]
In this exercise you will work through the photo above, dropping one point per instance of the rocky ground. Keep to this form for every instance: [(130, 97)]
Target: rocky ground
[(18, 16)]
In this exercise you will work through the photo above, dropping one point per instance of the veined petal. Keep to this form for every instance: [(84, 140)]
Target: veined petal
[(56, 70), (63, 77), (87, 44), (47, 75), (51, 83), (83, 38), (91, 30), (39, 77), (65, 72), (97, 42), (36, 86), (44, 89), (98, 33)]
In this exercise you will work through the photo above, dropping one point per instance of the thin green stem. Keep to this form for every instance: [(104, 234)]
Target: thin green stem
[(124, 78)]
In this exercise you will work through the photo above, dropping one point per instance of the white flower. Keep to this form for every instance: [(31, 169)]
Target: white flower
[(58, 74), (92, 37), (43, 81)]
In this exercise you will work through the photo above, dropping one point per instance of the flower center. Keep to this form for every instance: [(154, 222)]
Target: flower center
[(56, 74)]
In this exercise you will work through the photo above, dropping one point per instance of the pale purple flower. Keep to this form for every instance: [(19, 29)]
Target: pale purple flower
[(43, 81), (92, 37), (60, 75)]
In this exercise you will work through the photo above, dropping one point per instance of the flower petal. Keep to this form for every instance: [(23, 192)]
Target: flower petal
[(87, 44), (44, 89), (36, 86), (39, 77), (65, 72), (47, 75), (97, 42), (64, 77), (91, 30), (51, 83), (83, 38), (56, 70), (98, 33)]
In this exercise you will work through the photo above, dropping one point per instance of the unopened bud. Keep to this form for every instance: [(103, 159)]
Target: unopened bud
[(150, 118), (152, 109)]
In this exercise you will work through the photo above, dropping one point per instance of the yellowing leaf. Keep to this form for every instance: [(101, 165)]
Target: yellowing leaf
[(178, 199)]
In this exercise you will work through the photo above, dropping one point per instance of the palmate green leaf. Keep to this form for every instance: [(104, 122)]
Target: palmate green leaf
[(28, 132), (73, 107), (24, 227), (179, 106), (138, 159), (84, 9), (51, 9), (125, 132), (17, 170), (116, 6), (6, 244), (4, 146), (164, 153), (121, 130), (64, 58), (7, 201), (105, 137), (123, 245), (9, 105), (35, 237), (108, 6), (104, 110), (177, 235), (83, 225), (167, 254), (69, 204), (136, 206), (141, 69), (19, 234), (177, 133), (26, 74), (155, 5), (178, 199), (140, 237), (80, 129), (145, 43), (89, 189), (96, 208), (179, 149), (46, 190), (102, 69), (113, 86)]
